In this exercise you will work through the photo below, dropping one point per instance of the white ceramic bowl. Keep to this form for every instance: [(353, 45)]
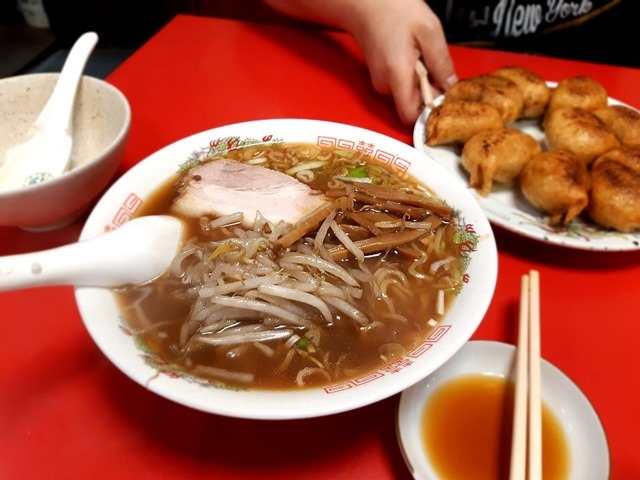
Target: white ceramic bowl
[(103, 320), (585, 436), (101, 124)]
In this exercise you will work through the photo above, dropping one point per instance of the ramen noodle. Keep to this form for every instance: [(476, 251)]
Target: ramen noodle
[(350, 287)]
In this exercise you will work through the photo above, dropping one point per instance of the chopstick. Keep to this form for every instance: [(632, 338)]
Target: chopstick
[(425, 87), (526, 444)]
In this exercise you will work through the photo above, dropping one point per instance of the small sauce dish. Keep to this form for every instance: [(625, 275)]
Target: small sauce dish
[(479, 375)]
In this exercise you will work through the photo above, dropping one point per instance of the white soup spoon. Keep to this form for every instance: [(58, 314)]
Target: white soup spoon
[(140, 250)]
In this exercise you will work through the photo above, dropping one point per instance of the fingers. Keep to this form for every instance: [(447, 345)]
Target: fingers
[(405, 89), (403, 82), (409, 94), (435, 52), (411, 104), (427, 42)]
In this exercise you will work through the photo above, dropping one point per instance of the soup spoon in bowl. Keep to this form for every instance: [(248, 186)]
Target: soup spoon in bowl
[(139, 251), (46, 154)]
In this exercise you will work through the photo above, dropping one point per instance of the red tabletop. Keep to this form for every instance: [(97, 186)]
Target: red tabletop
[(67, 412)]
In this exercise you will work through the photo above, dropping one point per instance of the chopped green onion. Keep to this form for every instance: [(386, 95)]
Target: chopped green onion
[(303, 343), (344, 153), (358, 172)]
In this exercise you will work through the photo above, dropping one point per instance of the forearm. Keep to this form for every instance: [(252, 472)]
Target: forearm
[(339, 14)]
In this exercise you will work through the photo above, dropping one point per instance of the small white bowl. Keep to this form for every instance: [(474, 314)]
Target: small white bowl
[(104, 321), (585, 436), (101, 123)]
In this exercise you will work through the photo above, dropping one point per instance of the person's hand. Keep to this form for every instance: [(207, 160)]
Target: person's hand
[(393, 35)]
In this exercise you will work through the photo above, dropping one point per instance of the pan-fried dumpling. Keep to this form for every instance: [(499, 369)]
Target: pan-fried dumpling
[(580, 91), (534, 89), (623, 121), (578, 131), (499, 92), (557, 183), (615, 195), (497, 156), (456, 122)]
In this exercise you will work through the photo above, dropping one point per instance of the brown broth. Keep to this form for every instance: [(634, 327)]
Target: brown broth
[(466, 431), (155, 316)]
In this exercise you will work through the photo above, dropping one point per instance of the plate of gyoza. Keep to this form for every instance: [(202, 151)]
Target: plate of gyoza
[(555, 162)]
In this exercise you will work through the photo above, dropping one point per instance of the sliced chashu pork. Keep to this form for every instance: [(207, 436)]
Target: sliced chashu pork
[(223, 187)]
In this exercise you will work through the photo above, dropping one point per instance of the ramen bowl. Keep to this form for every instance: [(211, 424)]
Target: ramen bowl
[(113, 334), (575, 444), (101, 122)]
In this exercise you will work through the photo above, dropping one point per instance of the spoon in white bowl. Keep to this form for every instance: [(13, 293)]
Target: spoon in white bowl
[(138, 251), (47, 152)]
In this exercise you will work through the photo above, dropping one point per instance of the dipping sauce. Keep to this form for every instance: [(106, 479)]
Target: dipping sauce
[(466, 431)]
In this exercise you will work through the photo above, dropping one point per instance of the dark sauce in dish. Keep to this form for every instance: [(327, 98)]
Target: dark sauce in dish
[(466, 431)]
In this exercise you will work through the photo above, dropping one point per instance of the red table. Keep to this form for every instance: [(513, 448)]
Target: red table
[(67, 412)]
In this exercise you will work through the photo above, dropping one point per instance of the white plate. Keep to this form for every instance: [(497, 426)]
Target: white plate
[(506, 207), (587, 441), (103, 319)]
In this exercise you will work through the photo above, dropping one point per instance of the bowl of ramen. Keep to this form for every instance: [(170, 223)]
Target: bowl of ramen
[(324, 267)]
